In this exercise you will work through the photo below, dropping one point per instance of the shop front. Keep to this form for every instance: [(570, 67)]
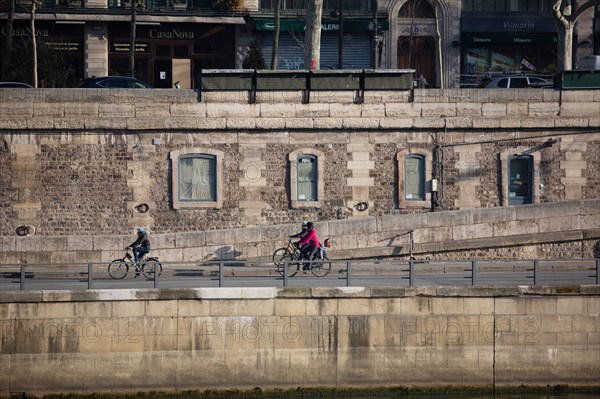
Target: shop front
[(59, 48), (506, 43), (357, 50), (171, 55)]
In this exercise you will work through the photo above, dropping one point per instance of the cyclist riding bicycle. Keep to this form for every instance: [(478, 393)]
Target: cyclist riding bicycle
[(141, 246), (309, 244)]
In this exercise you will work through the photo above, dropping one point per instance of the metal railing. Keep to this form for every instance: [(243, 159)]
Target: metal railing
[(237, 273)]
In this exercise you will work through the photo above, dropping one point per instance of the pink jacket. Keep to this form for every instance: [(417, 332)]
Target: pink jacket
[(311, 238)]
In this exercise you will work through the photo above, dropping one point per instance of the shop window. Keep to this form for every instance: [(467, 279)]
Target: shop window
[(416, 9), (196, 178), (180, 51), (163, 50), (507, 5), (306, 178), (414, 185)]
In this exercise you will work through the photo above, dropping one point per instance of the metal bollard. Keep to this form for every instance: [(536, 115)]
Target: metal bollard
[(411, 273), (473, 272), (536, 271)]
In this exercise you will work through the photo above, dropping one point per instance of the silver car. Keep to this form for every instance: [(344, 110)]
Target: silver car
[(515, 82)]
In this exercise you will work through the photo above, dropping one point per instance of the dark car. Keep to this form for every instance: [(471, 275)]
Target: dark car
[(515, 82), (113, 82), (15, 85)]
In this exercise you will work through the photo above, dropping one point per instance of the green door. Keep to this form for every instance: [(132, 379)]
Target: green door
[(520, 181)]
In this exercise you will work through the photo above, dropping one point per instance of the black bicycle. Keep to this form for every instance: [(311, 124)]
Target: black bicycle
[(319, 265), (119, 268), (289, 254)]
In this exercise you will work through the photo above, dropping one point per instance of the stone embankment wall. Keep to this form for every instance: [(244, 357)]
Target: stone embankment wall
[(549, 231), (135, 340), (81, 169)]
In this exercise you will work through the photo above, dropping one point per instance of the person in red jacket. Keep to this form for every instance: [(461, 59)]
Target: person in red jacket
[(312, 243)]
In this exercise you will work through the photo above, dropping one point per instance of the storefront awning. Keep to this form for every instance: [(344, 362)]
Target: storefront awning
[(327, 24)]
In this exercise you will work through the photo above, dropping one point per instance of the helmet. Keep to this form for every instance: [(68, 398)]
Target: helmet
[(141, 230), (309, 225), (304, 223)]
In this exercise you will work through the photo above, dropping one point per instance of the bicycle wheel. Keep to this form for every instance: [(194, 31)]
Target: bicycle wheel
[(292, 266), (320, 268), (118, 269), (150, 267), (278, 257)]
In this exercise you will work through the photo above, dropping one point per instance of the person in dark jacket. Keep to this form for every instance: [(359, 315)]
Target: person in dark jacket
[(302, 233), (141, 246)]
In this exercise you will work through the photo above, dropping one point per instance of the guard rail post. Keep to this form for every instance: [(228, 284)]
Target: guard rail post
[(411, 273), (22, 277), (156, 273), (221, 274), (473, 272), (536, 271), (90, 277), (285, 273), (348, 274)]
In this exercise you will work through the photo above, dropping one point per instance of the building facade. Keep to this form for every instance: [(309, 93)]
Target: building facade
[(449, 42)]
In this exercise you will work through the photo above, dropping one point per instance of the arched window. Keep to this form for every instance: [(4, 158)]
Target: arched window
[(414, 178), (306, 178), (196, 178), (416, 9)]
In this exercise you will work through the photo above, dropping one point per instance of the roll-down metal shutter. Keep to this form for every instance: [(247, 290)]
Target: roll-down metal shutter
[(356, 50)]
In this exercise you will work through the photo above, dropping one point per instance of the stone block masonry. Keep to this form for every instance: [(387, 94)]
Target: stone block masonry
[(225, 338), (97, 164)]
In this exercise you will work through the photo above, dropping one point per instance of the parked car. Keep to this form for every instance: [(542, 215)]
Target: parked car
[(113, 82), (515, 82), (18, 85), (589, 63)]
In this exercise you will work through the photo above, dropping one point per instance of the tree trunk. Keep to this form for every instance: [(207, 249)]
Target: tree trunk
[(313, 35), (34, 45), (132, 29), (566, 18), (8, 41), (276, 34)]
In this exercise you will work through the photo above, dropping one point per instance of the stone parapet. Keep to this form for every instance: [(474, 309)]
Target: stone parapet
[(328, 337), (434, 109)]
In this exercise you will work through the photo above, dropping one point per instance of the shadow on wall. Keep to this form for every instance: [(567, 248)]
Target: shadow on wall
[(225, 253)]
